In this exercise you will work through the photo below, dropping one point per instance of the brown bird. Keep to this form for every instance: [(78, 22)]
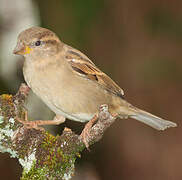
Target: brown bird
[(70, 83)]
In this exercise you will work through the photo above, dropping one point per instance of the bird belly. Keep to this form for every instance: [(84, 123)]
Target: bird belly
[(80, 117)]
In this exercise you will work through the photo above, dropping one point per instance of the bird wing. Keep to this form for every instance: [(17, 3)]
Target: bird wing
[(83, 66)]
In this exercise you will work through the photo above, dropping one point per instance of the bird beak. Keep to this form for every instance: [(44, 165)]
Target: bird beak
[(21, 49)]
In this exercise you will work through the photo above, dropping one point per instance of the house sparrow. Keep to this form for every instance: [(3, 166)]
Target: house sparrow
[(70, 83)]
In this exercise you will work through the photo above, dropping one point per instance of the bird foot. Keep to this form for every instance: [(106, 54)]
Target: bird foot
[(86, 131), (31, 124), (35, 124)]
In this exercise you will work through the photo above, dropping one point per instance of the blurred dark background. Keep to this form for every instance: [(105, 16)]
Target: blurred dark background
[(136, 42)]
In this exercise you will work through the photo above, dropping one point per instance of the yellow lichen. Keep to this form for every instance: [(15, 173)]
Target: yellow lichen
[(7, 97)]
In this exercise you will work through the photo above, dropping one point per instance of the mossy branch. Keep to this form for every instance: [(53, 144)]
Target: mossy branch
[(42, 155)]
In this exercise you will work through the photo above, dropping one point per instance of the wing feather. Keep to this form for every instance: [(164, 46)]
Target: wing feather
[(83, 66)]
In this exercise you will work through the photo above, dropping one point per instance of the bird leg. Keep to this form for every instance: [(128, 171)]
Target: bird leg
[(86, 131), (58, 119)]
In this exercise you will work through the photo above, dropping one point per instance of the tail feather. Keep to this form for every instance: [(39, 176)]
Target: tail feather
[(151, 120)]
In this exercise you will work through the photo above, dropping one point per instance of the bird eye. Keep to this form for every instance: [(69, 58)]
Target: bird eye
[(37, 43)]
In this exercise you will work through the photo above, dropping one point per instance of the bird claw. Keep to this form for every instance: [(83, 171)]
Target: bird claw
[(86, 131), (33, 125), (84, 136), (30, 124)]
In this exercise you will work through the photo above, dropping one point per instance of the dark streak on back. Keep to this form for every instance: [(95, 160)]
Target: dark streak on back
[(79, 70)]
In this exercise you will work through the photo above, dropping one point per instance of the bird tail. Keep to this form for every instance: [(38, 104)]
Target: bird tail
[(150, 119)]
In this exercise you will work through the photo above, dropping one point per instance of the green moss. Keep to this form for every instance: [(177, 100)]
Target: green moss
[(42, 174), (49, 160), (35, 173), (54, 156)]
